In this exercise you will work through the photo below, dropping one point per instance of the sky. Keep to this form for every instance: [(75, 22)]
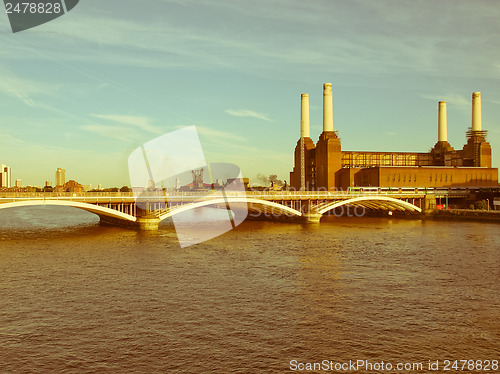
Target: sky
[(83, 91)]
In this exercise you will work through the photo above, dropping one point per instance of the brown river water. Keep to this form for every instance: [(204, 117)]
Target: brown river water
[(76, 297)]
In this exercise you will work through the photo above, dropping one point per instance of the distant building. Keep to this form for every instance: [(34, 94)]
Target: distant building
[(87, 187), (48, 183), (19, 183), (99, 186), (60, 177), (244, 181), (177, 183), (73, 186), (325, 165), (197, 179), (4, 176)]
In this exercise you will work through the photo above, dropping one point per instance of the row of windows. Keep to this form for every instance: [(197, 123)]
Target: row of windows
[(401, 177), (435, 177), (441, 177)]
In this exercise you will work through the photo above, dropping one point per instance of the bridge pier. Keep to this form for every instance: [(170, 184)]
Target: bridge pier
[(142, 223), (311, 217), (148, 223), (429, 204)]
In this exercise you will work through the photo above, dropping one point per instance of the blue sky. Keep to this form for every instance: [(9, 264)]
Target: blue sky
[(81, 92)]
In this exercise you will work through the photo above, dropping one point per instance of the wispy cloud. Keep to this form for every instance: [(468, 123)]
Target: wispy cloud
[(20, 88), (142, 123), (459, 101), (9, 139), (247, 113), (113, 132), (216, 134), (361, 38)]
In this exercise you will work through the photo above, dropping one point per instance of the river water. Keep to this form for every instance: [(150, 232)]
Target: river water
[(83, 298)]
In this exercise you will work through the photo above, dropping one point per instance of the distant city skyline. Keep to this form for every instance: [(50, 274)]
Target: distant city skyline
[(81, 92)]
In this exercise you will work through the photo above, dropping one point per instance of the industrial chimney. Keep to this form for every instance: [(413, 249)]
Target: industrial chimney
[(327, 107), (476, 111), (304, 116), (442, 124)]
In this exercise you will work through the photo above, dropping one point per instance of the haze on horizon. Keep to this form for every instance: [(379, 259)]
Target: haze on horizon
[(83, 91)]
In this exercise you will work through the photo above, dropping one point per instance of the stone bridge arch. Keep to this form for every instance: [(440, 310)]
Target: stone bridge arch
[(92, 208), (372, 202), (252, 205)]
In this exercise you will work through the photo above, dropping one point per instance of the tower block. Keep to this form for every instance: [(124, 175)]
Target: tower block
[(310, 166), (328, 160), (477, 151), (328, 148)]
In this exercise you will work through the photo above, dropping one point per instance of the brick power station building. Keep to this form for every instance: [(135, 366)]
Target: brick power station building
[(325, 165)]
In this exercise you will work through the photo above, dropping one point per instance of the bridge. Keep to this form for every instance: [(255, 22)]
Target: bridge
[(148, 210)]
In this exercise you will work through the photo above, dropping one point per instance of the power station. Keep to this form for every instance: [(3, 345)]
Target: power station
[(325, 166)]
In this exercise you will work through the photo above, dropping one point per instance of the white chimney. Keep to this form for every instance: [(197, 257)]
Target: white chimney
[(304, 116), (476, 111), (327, 107), (442, 125)]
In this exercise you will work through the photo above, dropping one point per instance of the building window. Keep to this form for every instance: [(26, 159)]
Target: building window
[(399, 177), (446, 178), (388, 177), (451, 177), (440, 177), (414, 177), (430, 177)]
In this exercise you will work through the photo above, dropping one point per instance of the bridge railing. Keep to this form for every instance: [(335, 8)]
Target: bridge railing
[(63, 194), (208, 193)]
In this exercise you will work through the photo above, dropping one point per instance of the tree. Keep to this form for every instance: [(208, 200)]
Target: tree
[(481, 205), (125, 189)]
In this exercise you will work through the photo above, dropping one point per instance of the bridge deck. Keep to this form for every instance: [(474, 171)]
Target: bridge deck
[(97, 197)]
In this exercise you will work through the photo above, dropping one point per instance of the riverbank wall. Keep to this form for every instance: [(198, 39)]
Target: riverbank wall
[(466, 214)]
